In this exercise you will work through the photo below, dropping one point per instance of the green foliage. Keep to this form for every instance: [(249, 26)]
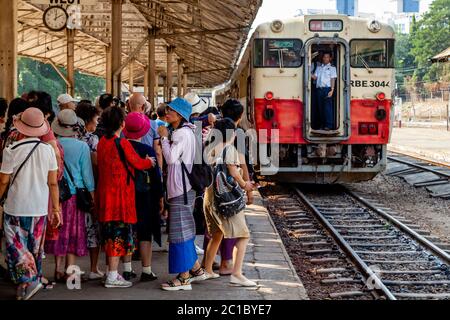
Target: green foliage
[(431, 36), (35, 75)]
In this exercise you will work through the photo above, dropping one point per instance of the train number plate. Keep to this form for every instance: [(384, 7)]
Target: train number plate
[(325, 25)]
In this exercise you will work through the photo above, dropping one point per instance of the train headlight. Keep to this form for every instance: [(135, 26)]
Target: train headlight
[(374, 26), (380, 96), (277, 26)]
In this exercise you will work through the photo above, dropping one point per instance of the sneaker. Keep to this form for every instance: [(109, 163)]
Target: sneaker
[(26, 293), (129, 275), (96, 275), (119, 282), (199, 250), (146, 277), (198, 275)]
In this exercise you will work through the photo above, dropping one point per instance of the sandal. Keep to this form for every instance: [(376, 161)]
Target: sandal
[(197, 275), (172, 286), (46, 284)]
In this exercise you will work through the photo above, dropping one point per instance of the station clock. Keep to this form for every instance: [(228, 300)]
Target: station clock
[(55, 18)]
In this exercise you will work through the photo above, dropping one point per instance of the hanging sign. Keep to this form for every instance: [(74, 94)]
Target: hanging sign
[(67, 2)]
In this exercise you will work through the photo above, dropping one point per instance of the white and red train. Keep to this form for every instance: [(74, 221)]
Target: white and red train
[(273, 82)]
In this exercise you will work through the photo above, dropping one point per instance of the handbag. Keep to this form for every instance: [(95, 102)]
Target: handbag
[(141, 178), (64, 190), (85, 202)]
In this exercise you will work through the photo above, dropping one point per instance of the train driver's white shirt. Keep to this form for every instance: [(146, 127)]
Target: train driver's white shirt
[(324, 73)]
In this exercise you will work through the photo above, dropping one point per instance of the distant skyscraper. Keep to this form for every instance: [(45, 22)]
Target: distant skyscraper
[(348, 7)]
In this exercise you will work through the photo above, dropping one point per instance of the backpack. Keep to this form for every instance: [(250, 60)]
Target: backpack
[(200, 177), (141, 178), (229, 197)]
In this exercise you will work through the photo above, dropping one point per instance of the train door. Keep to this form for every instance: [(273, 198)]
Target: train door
[(315, 103)]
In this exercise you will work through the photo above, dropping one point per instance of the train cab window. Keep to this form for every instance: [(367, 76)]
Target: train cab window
[(372, 53), (277, 53)]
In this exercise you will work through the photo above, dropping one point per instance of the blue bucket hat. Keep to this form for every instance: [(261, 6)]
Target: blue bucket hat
[(182, 107)]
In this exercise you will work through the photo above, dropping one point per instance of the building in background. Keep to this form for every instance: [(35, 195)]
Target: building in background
[(347, 7), (408, 6)]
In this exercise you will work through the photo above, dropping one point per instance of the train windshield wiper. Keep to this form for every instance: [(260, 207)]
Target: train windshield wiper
[(365, 64)]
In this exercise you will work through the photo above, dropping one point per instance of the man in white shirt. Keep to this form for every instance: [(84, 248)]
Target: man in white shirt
[(325, 77)]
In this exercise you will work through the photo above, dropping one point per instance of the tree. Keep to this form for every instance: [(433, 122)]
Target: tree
[(431, 37), (35, 75)]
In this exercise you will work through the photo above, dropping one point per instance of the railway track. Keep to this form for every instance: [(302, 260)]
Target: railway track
[(435, 177), (357, 250)]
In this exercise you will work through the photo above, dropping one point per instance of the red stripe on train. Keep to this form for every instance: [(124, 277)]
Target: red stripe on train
[(286, 115)]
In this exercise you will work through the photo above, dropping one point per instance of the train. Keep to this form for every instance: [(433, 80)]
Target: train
[(274, 84)]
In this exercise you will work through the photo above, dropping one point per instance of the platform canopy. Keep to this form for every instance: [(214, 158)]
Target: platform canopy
[(204, 36)]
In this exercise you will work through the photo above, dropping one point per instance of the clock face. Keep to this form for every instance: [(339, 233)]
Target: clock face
[(55, 18)]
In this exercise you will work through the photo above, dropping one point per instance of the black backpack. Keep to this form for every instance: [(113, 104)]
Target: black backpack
[(200, 177), (141, 178), (229, 197)]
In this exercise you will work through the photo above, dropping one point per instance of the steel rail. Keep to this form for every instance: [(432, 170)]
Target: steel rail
[(360, 264), (422, 240), (415, 165)]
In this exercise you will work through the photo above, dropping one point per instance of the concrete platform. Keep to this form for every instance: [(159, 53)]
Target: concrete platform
[(433, 144), (266, 262)]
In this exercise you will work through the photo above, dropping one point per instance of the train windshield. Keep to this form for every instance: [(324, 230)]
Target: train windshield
[(278, 53), (372, 53)]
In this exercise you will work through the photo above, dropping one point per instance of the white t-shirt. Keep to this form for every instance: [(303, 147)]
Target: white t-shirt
[(29, 195)]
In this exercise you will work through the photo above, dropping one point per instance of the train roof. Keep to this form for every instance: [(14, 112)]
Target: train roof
[(387, 31)]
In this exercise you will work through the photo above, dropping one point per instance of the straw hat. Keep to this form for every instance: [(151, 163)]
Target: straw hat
[(136, 125), (198, 104), (31, 123), (67, 124)]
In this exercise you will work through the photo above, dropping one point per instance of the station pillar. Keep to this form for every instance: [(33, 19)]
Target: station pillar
[(109, 71), (8, 49), (70, 35), (151, 70), (180, 77), (146, 81), (185, 81), (169, 78), (116, 45), (131, 76)]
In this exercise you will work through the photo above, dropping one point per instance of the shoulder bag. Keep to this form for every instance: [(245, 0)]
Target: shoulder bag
[(84, 198)]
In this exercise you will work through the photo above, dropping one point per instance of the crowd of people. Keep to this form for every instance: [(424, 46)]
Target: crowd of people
[(110, 176)]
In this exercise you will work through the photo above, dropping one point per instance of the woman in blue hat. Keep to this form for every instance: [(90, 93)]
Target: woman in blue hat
[(179, 148)]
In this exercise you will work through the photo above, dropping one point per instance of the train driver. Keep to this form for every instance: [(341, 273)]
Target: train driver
[(325, 77)]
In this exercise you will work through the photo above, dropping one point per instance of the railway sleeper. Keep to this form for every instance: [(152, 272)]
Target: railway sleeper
[(321, 251), (416, 283), (420, 295), (340, 280), (346, 294), (315, 243), (401, 272)]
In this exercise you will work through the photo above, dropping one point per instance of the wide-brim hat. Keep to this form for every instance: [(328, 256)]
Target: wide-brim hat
[(31, 123), (67, 124), (182, 107), (199, 105), (136, 125)]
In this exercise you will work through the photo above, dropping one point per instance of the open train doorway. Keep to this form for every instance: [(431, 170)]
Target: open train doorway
[(327, 95)]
